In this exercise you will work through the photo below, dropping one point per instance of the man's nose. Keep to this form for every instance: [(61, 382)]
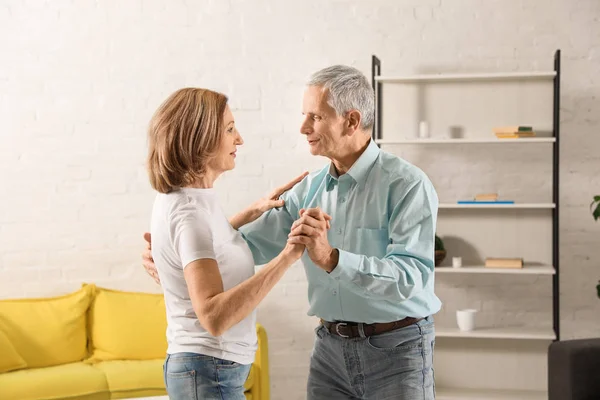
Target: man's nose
[(305, 128)]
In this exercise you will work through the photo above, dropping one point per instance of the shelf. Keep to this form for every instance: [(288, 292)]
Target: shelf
[(467, 77), (498, 333), (491, 140), (491, 205), (526, 270), (489, 394)]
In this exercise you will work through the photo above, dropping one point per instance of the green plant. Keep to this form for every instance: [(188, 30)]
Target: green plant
[(595, 208), (439, 244)]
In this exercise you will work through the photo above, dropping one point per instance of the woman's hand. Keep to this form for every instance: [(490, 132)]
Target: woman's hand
[(272, 200), (293, 251), (256, 209)]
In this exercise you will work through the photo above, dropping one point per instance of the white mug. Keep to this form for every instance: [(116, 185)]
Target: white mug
[(456, 262), (466, 319)]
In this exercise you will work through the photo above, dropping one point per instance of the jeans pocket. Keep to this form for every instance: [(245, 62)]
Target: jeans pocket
[(222, 364), (399, 340), (181, 385), (320, 331)]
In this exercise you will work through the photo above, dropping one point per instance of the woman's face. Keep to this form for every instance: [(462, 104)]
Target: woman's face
[(225, 158)]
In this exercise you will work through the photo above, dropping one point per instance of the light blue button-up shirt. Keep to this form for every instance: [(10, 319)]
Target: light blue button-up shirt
[(384, 213)]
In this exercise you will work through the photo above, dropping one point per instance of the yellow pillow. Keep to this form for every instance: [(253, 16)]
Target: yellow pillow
[(47, 331), (10, 359), (127, 326)]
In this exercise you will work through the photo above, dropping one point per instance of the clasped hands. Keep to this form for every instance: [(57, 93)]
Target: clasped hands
[(311, 231)]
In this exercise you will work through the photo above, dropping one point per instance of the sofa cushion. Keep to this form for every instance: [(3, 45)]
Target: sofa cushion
[(47, 331), (10, 359), (128, 379), (127, 326), (70, 381)]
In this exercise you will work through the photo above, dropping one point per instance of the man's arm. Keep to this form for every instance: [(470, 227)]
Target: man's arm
[(267, 235), (408, 265)]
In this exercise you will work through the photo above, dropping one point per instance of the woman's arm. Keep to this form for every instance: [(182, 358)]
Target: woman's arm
[(218, 310), (256, 209)]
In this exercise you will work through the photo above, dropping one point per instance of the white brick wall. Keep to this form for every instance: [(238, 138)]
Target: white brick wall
[(79, 81)]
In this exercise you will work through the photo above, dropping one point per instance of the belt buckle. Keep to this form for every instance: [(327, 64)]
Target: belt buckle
[(337, 329)]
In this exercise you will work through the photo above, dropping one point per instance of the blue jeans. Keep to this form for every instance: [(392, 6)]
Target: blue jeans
[(393, 365), (191, 376)]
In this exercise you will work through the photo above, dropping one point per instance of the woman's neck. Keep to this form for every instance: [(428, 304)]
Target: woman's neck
[(206, 181)]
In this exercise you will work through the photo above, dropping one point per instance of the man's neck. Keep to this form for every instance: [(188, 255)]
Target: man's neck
[(343, 162)]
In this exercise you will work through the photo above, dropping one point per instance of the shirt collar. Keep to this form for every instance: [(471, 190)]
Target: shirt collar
[(359, 170)]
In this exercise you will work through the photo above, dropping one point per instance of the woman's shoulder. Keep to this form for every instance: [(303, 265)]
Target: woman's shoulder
[(182, 204)]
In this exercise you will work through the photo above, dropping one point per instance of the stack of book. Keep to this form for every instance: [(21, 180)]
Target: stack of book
[(514, 132), (486, 198), (504, 262)]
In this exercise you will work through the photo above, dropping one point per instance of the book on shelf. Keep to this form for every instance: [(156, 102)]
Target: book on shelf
[(513, 129), (486, 197), (503, 262), (513, 132), (515, 135)]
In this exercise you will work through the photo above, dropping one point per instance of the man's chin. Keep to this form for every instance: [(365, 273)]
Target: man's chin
[(314, 150)]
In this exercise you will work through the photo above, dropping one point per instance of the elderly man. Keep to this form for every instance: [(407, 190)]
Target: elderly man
[(371, 275)]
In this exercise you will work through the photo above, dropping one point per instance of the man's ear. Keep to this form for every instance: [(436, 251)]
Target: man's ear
[(353, 121)]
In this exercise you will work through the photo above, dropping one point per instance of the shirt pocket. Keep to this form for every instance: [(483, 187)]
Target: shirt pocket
[(371, 242)]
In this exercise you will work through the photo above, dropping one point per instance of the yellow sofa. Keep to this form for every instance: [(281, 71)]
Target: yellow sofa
[(94, 344)]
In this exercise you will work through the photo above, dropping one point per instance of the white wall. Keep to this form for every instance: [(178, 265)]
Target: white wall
[(79, 81)]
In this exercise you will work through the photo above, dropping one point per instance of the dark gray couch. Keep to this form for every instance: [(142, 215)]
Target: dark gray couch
[(574, 370)]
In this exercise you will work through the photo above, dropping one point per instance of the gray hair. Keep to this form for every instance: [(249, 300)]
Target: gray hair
[(349, 89)]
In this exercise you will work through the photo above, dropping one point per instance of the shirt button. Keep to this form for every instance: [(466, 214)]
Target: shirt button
[(343, 200), (334, 292), (339, 231)]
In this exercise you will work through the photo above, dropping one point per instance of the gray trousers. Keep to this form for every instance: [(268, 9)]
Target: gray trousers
[(393, 365)]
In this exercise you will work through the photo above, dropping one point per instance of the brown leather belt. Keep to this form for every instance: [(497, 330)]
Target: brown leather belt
[(353, 329)]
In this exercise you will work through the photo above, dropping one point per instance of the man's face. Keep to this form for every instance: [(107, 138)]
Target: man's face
[(321, 125)]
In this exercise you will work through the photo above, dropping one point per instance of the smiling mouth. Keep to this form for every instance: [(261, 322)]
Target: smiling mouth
[(311, 142), (233, 154)]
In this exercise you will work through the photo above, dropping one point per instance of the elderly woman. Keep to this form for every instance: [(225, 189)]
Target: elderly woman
[(204, 265)]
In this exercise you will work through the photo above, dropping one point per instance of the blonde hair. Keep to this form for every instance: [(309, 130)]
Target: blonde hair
[(184, 134)]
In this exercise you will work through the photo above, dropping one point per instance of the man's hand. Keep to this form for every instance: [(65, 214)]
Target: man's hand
[(147, 260), (311, 230)]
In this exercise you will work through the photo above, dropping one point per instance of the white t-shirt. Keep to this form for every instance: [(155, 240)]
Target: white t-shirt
[(187, 225)]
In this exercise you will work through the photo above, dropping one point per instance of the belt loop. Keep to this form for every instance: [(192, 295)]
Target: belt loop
[(361, 330)]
